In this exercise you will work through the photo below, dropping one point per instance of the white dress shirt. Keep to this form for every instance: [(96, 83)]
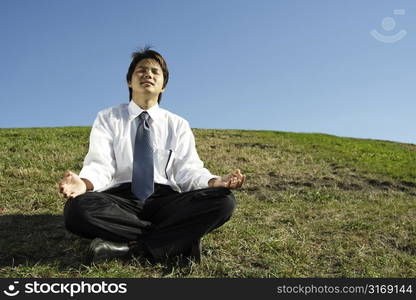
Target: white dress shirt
[(109, 161)]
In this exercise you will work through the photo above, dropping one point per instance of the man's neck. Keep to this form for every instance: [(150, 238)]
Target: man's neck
[(145, 103)]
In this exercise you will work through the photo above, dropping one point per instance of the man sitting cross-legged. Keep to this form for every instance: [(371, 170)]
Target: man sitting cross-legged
[(143, 188)]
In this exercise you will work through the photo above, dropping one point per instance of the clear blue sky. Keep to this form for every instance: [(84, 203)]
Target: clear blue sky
[(288, 65)]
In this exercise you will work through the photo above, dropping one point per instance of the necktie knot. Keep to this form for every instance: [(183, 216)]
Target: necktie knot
[(144, 116)]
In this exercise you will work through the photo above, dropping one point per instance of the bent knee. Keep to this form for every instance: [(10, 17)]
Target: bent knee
[(75, 210), (227, 203)]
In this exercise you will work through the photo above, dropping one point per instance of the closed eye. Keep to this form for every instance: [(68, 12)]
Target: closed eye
[(154, 70)]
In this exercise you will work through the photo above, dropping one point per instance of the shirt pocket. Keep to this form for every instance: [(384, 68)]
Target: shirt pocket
[(163, 160)]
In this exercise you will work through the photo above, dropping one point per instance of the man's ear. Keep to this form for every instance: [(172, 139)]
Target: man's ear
[(162, 90), (129, 84)]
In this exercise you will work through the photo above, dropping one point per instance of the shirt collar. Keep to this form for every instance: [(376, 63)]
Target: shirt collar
[(135, 110)]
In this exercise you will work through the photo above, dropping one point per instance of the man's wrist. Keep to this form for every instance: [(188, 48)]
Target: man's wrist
[(213, 180), (88, 185)]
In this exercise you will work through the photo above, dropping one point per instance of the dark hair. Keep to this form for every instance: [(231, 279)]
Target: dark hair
[(143, 54)]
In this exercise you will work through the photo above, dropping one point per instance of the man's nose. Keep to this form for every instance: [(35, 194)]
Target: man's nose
[(147, 74)]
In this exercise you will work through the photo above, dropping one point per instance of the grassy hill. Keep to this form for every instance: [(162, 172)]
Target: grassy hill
[(313, 205)]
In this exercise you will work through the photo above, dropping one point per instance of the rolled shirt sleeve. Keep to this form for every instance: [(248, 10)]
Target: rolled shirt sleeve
[(190, 173), (99, 163)]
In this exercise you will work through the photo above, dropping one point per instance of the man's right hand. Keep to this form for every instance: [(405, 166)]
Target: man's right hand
[(72, 185)]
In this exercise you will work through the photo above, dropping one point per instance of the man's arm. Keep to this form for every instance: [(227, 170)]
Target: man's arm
[(99, 163), (189, 171)]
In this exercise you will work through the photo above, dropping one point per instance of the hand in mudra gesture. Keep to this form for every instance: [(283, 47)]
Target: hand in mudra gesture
[(232, 181), (72, 185)]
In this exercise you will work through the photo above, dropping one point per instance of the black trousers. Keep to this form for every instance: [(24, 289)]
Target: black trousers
[(167, 223)]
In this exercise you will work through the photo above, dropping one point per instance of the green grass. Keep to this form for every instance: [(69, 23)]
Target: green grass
[(313, 205)]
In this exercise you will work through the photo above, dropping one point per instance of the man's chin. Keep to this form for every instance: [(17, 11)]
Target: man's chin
[(144, 91)]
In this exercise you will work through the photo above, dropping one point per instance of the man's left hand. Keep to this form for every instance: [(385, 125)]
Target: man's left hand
[(233, 180)]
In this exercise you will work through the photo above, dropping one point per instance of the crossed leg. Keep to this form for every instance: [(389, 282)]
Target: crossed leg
[(167, 223)]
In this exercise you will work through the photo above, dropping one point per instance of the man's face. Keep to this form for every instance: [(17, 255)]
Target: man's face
[(147, 78)]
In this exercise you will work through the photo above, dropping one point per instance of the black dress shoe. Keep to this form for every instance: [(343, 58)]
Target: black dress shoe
[(101, 250), (139, 250), (195, 251)]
